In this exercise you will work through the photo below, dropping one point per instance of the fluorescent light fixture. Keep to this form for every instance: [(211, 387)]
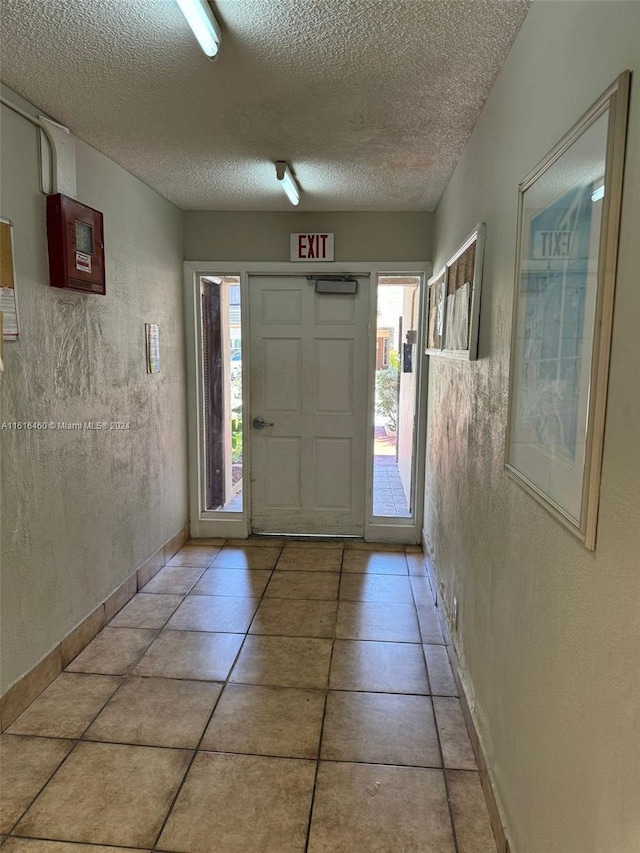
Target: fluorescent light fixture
[(287, 181), (598, 194), (205, 27)]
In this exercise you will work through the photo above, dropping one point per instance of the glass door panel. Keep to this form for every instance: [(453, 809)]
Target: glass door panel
[(396, 387), (222, 392)]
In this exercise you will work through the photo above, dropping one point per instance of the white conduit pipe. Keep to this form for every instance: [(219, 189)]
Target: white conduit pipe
[(47, 133)]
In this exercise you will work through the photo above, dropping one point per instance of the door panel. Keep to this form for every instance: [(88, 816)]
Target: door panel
[(333, 375), (308, 379), (281, 306), (282, 473), (281, 385), (333, 464), (333, 309)]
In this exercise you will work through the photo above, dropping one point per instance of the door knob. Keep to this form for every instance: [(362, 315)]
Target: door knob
[(259, 423)]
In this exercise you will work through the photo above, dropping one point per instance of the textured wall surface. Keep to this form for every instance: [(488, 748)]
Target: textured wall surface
[(549, 633), (249, 236), (82, 509)]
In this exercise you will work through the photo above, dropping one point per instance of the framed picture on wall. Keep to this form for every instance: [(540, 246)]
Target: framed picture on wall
[(436, 303), (568, 223), (463, 284)]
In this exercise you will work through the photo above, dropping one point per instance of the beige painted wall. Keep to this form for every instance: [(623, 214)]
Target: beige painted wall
[(256, 236), (81, 510), (549, 634)]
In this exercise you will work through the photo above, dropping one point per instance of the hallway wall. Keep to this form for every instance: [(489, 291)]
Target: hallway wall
[(218, 235), (81, 510), (549, 633)]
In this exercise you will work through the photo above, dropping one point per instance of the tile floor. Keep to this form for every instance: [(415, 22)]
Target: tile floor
[(261, 698)]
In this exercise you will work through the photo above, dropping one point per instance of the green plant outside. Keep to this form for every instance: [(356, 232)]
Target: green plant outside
[(236, 436), (387, 390)]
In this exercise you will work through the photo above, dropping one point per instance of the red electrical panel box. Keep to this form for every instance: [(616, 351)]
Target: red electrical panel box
[(75, 239)]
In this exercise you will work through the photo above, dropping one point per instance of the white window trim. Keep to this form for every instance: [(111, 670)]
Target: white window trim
[(237, 525)]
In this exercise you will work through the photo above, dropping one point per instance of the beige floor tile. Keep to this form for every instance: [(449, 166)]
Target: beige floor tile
[(190, 655), (386, 589), (82, 635), (146, 611), (360, 808), (250, 583), (421, 590), (150, 568), (206, 541), (250, 557), (113, 652), (195, 556), (367, 620), (314, 585), (357, 545), (221, 613), (457, 751), (292, 617), (117, 600), (380, 728), (175, 543), (378, 667), (247, 803), (416, 564), (156, 712), (439, 669), (32, 845), (256, 542), (199, 547), (283, 662), (67, 706), (29, 687), (470, 815), (310, 559), (266, 721), (375, 563), (429, 621), (27, 763), (107, 793), (174, 580), (335, 544)]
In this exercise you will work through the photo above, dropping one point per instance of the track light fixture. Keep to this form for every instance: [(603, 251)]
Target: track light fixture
[(287, 181), (203, 23)]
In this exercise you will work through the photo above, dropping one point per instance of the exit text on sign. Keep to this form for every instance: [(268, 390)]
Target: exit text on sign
[(312, 247)]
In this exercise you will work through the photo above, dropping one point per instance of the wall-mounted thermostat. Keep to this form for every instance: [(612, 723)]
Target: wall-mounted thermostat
[(75, 239)]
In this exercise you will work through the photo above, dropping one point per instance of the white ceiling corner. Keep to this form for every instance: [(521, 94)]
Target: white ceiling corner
[(371, 101)]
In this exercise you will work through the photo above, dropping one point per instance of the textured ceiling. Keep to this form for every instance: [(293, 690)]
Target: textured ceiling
[(371, 101)]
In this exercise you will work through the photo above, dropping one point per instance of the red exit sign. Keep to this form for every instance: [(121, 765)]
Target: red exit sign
[(312, 247)]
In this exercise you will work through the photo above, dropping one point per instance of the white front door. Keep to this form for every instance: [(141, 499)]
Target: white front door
[(309, 387)]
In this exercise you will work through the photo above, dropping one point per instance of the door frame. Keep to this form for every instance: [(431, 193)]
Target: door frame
[(209, 523)]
